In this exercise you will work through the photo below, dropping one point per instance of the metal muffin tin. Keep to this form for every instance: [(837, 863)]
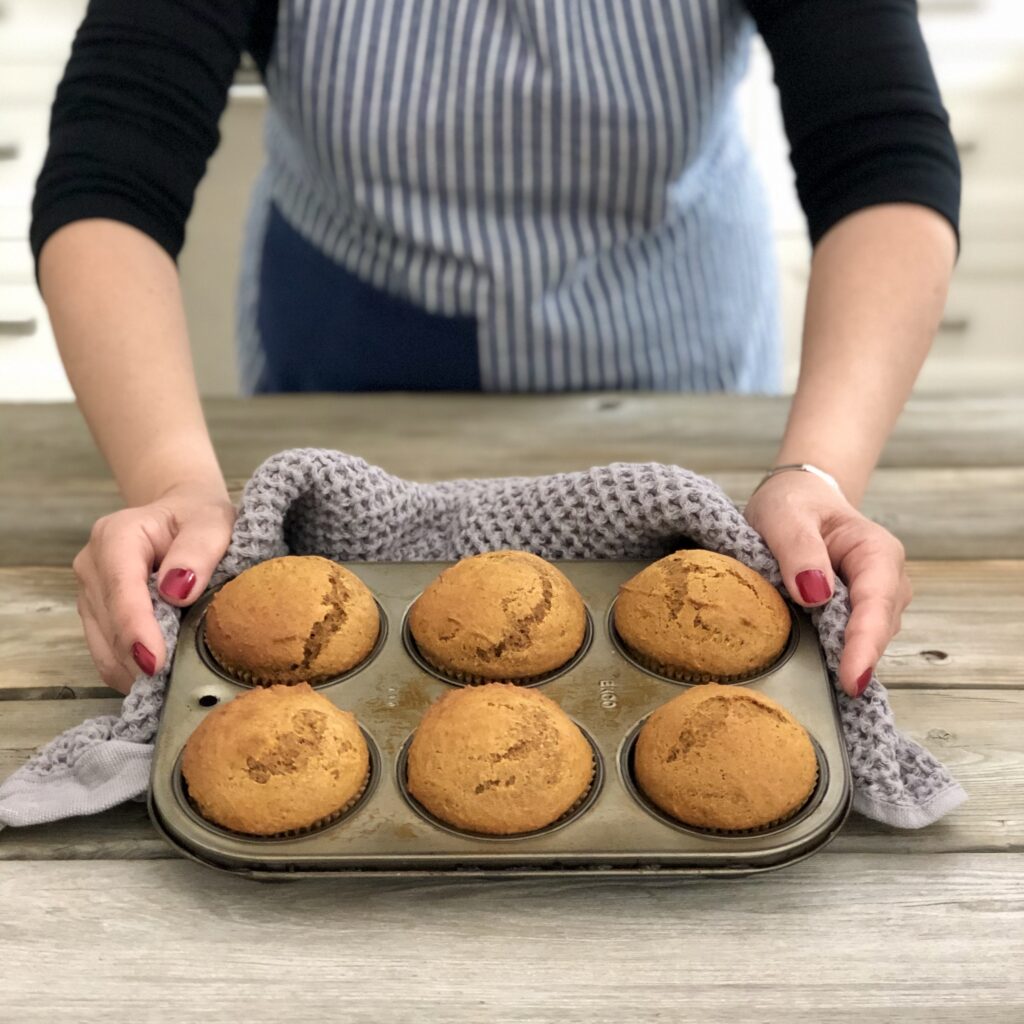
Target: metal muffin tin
[(614, 832)]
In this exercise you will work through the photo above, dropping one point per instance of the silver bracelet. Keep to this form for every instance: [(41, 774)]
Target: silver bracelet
[(805, 467)]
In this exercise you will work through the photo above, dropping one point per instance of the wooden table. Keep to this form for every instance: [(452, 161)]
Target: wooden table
[(101, 922)]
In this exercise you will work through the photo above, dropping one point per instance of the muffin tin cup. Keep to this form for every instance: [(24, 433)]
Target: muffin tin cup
[(456, 678), (186, 802), (579, 807), (628, 774), (252, 680), (614, 830), (681, 676)]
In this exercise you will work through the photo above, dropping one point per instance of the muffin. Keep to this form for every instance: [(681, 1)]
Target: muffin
[(276, 760), (503, 615), (725, 758), (291, 619), (498, 759), (697, 615)]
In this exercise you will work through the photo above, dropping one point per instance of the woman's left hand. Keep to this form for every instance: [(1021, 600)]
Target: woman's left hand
[(815, 532)]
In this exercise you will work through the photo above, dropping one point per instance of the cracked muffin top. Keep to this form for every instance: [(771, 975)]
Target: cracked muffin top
[(503, 615), (498, 759), (292, 619), (726, 758), (698, 615), (275, 760)]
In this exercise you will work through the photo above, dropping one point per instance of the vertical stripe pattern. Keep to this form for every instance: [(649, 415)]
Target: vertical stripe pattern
[(569, 172)]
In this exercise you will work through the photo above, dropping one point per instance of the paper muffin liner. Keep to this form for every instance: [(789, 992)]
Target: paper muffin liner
[(291, 833), (558, 822), (680, 675), (248, 677), (459, 678), (754, 831), (468, 679)]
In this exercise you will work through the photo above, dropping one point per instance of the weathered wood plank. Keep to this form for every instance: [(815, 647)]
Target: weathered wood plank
[(413, 434), (935, 512), (841, 939), (965, 628), (976, 732)]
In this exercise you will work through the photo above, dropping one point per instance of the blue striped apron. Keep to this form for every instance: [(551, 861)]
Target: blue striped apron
[(567, 177)]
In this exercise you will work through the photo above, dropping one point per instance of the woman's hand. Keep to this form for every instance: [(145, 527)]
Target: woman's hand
[(814, 532), (183, 534)]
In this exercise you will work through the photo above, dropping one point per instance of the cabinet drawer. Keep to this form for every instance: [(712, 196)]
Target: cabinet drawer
[(38, 31), (23, 139), (16, 265), (30, 368), (955, 24), (981, 337), (29, 83)]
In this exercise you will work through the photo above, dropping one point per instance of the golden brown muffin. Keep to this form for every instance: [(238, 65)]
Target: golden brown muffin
[(503, 615), (725, 758), (292, 619), (275, 760), (697, 615), (498, 759)]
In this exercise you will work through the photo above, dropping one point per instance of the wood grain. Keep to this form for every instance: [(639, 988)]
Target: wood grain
[(976, 732), (965, 628), (936, 513), (843, 939), (412, 433)]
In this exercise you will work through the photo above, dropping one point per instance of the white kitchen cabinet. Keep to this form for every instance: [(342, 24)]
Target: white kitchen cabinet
[(209, 263), (977, 47), (30, 369)]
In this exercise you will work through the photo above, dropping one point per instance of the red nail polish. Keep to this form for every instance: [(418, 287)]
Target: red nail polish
[(813, 585), (862, 683), (178, 584), (144, 658)]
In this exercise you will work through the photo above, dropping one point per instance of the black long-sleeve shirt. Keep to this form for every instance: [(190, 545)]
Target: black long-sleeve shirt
[(135, 117)]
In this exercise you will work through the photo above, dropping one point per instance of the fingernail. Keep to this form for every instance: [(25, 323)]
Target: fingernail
[(144, 658), (178, 584), (862, 683), (813, 586)]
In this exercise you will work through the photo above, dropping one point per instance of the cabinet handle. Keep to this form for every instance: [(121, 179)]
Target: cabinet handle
[(9, 150), (17, 326), (955, 325), (949, 6)]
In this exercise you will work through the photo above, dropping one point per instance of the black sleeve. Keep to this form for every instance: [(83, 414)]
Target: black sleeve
[(135, 116), (861, 107)]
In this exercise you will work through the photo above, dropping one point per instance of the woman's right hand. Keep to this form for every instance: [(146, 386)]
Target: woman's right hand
[(182, 535)]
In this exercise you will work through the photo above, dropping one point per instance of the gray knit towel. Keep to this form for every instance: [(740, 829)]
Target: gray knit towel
[(309, 501)]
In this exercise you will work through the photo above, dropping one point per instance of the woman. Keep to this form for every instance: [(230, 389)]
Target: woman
[(505, 195)]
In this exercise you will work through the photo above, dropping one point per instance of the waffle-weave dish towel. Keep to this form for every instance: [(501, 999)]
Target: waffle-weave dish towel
[(310, 501)]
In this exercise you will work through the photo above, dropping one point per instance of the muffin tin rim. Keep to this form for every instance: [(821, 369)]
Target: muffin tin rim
[(389, 581)]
